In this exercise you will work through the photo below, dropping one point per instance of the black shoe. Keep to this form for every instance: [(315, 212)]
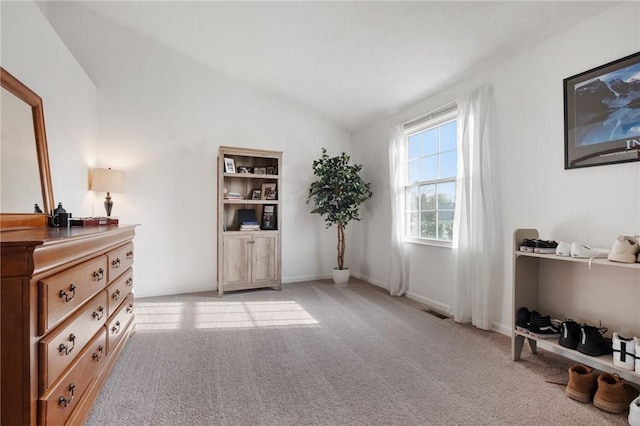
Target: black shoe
[(528, 245), (541, 326), (570, 334), (543, 246), (592, 341), (522, 320)]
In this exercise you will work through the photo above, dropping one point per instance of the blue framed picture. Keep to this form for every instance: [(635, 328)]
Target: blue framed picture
[(602, 114)]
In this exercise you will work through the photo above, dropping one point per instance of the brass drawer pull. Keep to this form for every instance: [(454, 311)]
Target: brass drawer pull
[(99, 315), (65, 348), (116, 328), (129, 254), (116, 295), (72, 290), (130, 308), (129, 282), (99, 274), (99, 357), (64, 402), (116, 263)]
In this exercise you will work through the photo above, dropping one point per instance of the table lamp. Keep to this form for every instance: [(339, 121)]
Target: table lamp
[(107, 180)]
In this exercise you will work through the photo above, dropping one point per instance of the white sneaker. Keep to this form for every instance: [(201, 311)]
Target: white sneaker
[(634, 412), (624, 351), (624, 249), (563, 249), (587, 252)]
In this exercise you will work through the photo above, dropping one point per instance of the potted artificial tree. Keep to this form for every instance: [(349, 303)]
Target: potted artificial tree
[(337, 195)]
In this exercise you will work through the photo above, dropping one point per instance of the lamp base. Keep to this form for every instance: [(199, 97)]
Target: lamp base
[(108, 204)]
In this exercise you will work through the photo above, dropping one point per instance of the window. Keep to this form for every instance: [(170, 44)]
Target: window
[(430, 191)]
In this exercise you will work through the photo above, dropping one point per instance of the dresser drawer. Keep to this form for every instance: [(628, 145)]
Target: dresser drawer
[(120, 260), (117, 324), (61, 293), (119, 290), (60, 348), (56, 405)]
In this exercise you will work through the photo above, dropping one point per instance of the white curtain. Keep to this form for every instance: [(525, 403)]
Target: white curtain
[(399, 268), (475, 241)]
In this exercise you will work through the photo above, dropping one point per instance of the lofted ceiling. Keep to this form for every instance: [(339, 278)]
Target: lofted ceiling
[(348, 62)]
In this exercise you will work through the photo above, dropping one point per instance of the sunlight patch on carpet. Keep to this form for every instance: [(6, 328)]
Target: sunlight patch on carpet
[(221, 315)]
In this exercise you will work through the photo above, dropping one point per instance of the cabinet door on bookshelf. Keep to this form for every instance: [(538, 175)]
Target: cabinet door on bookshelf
[(264, 266), (237, 259)]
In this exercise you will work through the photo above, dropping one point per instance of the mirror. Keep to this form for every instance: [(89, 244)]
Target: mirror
[(26, 176)]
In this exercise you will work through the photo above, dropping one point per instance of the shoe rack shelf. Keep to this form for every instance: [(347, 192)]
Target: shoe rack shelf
[(566, 287)]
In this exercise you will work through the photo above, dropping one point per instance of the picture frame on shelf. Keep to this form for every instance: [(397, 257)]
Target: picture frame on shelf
[(266, 189), (270, 170), (229, 165), (600, 116), (260, 170), (269, 221), (272, 195), (245, 169), (255, 194)]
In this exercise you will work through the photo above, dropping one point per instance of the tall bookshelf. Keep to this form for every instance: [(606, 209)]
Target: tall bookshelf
[(249, 189)]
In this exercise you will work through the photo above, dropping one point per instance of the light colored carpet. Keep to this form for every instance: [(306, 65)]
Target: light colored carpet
[(316, 354)]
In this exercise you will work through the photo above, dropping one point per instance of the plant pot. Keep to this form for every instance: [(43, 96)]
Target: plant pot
[(341, 276)]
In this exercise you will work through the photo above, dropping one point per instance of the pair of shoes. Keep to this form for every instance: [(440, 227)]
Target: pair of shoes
[(624, 352), (585, 338), (625, 249), (607, 390), (587, 252), (592, 341), (541, 326), (634, 412), (538, 246)]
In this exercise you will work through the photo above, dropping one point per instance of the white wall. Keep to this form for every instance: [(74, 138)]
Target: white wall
[(162, 117), (591, 205), (35, 55)]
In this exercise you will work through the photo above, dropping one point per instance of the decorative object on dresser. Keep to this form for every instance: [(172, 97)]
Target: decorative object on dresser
[(337, 195), (106, 180), (248, 257), (68, 294)]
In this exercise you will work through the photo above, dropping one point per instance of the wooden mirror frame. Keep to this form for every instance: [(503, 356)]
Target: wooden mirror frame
[(31, 220)]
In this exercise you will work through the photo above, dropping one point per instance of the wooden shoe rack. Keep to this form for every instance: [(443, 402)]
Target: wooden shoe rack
[(593, 292)]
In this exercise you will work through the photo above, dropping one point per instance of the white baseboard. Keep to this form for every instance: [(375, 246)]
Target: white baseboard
[(302, 278), (437, 306)]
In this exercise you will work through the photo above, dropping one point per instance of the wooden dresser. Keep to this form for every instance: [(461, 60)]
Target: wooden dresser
[(66, 301)]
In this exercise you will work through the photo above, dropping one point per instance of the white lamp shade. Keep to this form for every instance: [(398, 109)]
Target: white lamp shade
[(106, 180)]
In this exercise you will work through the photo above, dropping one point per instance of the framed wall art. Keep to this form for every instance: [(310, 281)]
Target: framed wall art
[(602, 114)]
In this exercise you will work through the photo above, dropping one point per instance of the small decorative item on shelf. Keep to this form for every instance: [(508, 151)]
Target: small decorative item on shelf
[(260, 170), (36, 208), (271, 170), (255, 194), (245, 169), (272, 195)]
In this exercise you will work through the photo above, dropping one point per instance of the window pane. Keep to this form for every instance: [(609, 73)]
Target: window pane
[(448, 164), (446, 196), (428, 224), (430, 142), (445, 231), (413, 226), (414, 171), (412, 195), (414, 146), (448, 137), (427, 197), (430, 168)]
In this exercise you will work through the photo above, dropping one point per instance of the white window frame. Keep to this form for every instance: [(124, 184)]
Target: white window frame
[(416, 126)]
